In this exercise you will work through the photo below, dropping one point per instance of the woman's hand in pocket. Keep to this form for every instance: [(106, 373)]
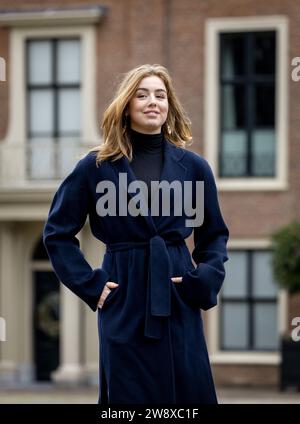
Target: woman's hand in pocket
[(105, 292), (176, 279)]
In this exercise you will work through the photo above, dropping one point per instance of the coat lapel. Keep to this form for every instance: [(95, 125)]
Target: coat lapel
[(172, 170)]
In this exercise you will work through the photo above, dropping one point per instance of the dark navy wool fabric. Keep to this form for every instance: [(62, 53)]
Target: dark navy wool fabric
[(152, 345)]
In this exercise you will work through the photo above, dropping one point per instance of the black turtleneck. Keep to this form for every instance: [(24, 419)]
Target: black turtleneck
[(148, 158)]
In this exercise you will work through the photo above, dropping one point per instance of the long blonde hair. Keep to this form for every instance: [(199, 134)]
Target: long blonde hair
[(176, 129)]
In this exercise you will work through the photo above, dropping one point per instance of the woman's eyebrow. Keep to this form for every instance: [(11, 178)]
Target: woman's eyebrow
[(146, 89)]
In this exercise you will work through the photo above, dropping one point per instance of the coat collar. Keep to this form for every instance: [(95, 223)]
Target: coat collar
[(172, 170)]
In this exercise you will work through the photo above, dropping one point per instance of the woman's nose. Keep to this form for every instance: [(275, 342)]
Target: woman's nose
[(152, 98)]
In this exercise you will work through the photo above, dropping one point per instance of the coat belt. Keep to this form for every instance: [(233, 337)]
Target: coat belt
[(158, 300)]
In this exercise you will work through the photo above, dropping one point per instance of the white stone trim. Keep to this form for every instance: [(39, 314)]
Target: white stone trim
[(53, 16), (211, 105), (249, 244), (40, 265), (245, 357), (29, 235), (70, 369), (9, 306)]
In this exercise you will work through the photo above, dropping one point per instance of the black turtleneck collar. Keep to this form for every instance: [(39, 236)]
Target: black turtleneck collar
[(147, 143)]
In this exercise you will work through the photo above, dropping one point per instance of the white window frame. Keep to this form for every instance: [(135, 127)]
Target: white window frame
[(16, 135), (211, 98), (217, 356)]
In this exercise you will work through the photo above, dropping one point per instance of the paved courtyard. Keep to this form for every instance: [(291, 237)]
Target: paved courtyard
[(85, 395)]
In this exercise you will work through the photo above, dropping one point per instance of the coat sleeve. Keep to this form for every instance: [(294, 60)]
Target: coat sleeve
[(201, 285), (67, 215)]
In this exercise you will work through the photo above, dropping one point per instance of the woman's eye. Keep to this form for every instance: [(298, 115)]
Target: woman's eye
[(140, 96)]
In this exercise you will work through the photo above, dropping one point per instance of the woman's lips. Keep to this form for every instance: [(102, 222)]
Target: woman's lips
[(152, 113)]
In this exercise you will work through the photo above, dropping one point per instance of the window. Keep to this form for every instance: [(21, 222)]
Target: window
[(246, 107), (53, 105), (248, 303), (247, 101)]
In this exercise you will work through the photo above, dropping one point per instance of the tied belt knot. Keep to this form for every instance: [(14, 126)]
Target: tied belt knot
[(158, 300)]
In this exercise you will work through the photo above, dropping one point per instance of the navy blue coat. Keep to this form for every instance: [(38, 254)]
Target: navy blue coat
[(152, 345)]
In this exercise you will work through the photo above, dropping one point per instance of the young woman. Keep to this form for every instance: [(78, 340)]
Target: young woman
[(148, 292)]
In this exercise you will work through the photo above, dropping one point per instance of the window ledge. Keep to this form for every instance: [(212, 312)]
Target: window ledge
[(51, 16), (257, 184), (240, 358)]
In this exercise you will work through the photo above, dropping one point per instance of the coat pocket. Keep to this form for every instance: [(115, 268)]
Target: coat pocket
[(183, 265), (109, 263), (109, 297)]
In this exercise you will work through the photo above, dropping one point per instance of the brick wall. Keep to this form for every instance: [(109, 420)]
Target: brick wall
[(246, 375)]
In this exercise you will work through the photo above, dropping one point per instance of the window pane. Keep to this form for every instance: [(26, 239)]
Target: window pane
[(233, 106), (235, 283), (39, 62), (42, 158), (263, 152), (235, 325), (68, 61), (265, 105), (234, 153), (265, 326), (41, 112), (264, 53), (232, 55), (69, 111), (263, 280)]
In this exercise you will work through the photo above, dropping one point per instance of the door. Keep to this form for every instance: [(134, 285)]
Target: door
[(46, 324)]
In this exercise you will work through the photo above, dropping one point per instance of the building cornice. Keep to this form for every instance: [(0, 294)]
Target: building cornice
[(52, 16)]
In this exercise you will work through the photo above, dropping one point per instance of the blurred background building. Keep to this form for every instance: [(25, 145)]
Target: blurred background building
[(231, 66)]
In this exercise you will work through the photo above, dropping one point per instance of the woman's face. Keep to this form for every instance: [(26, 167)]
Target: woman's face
[(148, 108)]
